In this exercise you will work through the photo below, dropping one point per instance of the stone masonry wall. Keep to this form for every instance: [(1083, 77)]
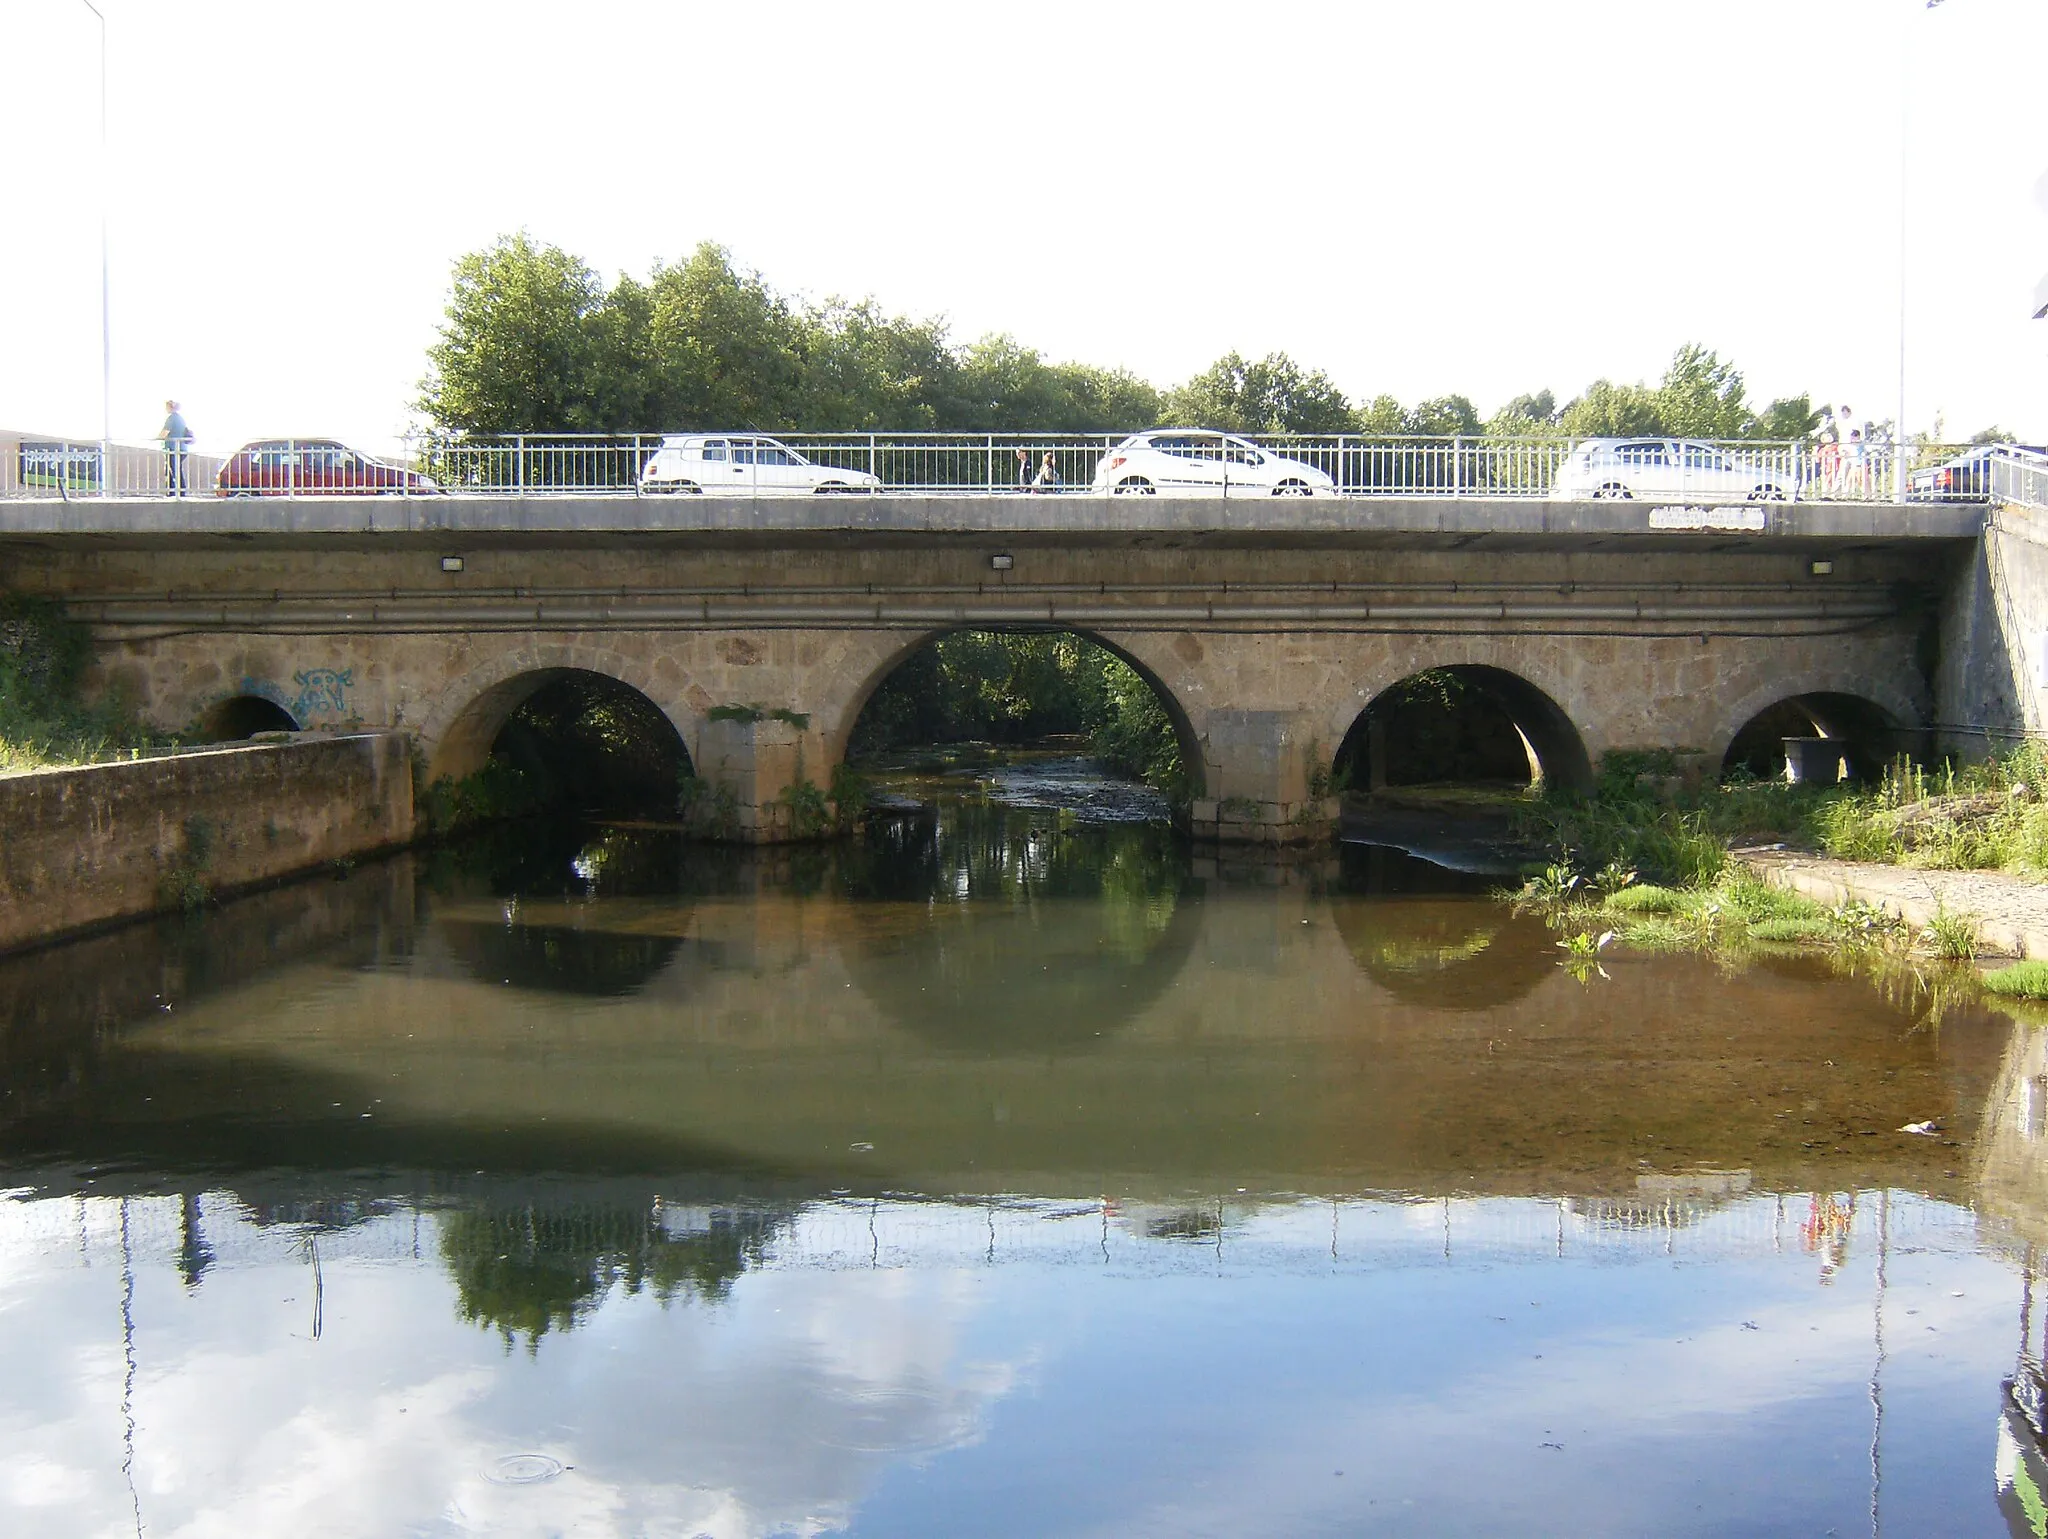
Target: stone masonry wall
[(84, 846)]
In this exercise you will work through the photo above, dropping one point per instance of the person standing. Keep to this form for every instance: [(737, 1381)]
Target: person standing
[(1023, 469), (1048, 475), (177, 442)]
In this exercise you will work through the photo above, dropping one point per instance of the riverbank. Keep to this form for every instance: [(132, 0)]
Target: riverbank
[(2009, 913)]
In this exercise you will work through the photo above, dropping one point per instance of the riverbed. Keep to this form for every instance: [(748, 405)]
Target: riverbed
[(1012, 1169)]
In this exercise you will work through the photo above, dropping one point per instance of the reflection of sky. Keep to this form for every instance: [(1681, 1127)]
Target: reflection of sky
[(1025, 1368)]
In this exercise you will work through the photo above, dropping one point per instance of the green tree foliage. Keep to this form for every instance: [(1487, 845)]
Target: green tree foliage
[(1608, 410), (1701, 395), (533, 342), (997, 687), (523, 346), (1273, 395)]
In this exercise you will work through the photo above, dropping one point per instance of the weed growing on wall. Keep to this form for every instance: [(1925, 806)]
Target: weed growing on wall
[(45, 719)]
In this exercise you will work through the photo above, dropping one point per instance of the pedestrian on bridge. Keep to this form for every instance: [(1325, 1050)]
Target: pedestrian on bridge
[(177, 442)]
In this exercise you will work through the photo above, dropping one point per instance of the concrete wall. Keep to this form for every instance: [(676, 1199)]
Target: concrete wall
[(1992, 684), (83, 846)]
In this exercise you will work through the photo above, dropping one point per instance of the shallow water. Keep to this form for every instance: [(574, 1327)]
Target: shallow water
[(1011, 1172)]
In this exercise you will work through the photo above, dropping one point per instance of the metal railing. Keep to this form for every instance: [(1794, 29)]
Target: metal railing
[(2020, 475), (928, 464)]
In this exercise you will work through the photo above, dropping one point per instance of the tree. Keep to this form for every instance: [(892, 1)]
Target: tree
[(724, 350), (1787, 420), (520, 345), (1273, 395), (1702, 396), (1608, 410)]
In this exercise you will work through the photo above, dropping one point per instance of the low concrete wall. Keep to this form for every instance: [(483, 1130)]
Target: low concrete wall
[(79, 847)]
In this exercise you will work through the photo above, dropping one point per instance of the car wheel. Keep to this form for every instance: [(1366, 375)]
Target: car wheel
[(1134, 486), (1292, 489), (1770, 491), (828, 488), (1613, 489), (244, 492)]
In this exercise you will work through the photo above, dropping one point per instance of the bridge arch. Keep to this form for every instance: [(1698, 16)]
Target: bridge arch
[(1463, 721), (232, 718), (1870, 733), (459, 732), (858, 689)]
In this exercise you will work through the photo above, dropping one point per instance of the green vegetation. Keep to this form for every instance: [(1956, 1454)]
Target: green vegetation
[(45, 719), (184, 883), (1988, 816), (2022, 980), (495, 793), (534, 341), (993, 687)]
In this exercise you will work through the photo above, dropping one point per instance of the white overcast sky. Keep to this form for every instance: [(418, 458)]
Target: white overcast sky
[(1485, 196)]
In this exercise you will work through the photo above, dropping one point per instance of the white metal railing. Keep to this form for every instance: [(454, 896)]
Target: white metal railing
[(544, 464), (2019, 475)]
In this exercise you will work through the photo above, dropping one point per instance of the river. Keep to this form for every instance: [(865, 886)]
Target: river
[(1011, 1170)]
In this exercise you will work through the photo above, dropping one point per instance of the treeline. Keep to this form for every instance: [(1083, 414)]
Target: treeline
[(535, 342), (995, 687)]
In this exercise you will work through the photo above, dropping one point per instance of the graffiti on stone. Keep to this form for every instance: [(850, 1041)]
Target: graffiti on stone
[(322, 692)]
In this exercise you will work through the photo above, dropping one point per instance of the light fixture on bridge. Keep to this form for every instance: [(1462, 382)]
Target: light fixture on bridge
[(1001, 563), (451, 563), (1821, 568)]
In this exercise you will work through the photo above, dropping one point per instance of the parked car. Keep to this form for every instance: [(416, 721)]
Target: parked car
[(318, 467), (1966, 477), (1196, 461), (1681, 469), (747, 464)]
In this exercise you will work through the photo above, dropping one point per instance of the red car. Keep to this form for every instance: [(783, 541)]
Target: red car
[(312, 467)]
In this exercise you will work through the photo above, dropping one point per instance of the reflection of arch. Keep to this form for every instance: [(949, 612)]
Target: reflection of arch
[(243, 716), (1109, 908), (1495, 702), (1869, 735), (1440, 942), (562, 959), (856, 699), (458, 733)]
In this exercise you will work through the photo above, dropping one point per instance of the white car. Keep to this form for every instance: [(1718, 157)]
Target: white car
[(1678, 469), (743, 463), (1197, 462)]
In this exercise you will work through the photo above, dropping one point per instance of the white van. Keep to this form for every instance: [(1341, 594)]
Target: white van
[(744, 464)]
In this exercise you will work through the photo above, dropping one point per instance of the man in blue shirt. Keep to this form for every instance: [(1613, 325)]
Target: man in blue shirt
[(177, 440)]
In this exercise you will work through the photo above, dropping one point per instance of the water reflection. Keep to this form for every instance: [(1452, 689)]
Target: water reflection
[(859, 1190)]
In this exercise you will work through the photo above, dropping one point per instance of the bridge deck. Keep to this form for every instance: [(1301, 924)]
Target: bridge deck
[(1387, 522)]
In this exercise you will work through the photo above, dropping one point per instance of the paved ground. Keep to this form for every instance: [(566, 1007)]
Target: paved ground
[(2011, 912)]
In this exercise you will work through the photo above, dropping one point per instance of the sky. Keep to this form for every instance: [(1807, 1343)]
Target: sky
[(1479, 196)]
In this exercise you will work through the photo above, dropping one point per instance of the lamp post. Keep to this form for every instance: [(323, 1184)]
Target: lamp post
[(106, 325)]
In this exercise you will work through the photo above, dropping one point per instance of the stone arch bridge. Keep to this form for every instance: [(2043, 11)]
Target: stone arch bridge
[(1267, 627)]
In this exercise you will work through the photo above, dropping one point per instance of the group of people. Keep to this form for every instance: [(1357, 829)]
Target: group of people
[(1045, 479), (1846, 454)]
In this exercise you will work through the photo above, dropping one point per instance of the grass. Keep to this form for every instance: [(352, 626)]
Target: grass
[(2022, 980)]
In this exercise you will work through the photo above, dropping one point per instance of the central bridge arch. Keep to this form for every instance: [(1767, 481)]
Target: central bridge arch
[(858, 691), (1463, 722)]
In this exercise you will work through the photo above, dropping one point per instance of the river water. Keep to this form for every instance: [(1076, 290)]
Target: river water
[(1011, 1171)]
